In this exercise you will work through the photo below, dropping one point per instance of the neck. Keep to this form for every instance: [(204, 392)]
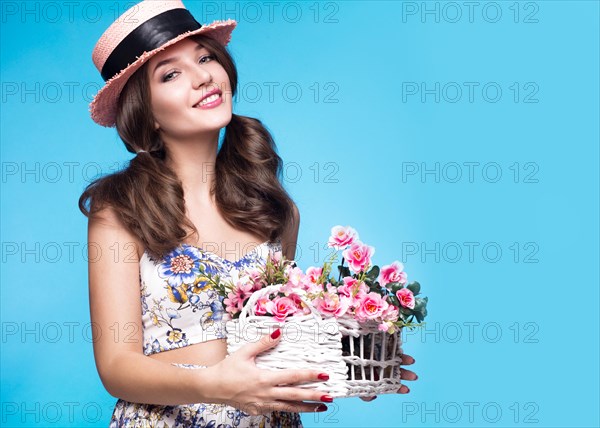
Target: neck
[(194, 163)]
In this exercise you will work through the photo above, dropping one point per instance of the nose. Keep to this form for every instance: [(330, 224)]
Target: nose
[(201, 76)]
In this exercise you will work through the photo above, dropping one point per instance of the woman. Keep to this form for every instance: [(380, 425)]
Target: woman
[(183, 202)]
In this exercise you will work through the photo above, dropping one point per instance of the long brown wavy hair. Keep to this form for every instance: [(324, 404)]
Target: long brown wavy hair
[(148, 196)]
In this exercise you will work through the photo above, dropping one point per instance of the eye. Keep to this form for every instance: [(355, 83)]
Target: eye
[(168, 76), (203, 60), (209, 57)]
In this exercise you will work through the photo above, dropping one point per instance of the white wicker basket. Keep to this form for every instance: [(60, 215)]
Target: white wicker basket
[(308, 342), (372, 357)]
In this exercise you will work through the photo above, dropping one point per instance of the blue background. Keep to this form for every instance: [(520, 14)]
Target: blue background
[(511, 337)]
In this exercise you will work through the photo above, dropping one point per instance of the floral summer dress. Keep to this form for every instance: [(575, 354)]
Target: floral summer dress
[(180, 308)]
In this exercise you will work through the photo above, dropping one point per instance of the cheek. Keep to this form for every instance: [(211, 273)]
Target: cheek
[(167, 105), (162, 106)]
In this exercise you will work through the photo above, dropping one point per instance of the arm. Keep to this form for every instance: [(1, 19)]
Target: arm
[(115, 312), (125, 372), (289, 237)]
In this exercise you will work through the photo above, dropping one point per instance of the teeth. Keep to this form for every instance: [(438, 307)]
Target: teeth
[(209, 99)]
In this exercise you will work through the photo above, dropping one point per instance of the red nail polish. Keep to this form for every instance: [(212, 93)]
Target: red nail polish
[(321, 408), (327, 398), (323, 376), (276, 334)]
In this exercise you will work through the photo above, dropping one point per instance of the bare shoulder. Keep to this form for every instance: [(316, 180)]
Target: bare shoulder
[(105, 228)]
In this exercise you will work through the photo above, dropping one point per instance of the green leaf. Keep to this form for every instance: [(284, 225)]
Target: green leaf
[(415, 287), (373, 273), (345, 270), (405, 311), (394, 286), (419, 304), (394, 300)]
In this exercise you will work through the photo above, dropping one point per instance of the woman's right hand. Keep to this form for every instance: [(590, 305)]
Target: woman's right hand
[(240, 384)]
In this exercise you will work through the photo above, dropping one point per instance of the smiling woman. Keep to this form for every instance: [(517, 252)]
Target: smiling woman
[(188, 80), (170, 84)]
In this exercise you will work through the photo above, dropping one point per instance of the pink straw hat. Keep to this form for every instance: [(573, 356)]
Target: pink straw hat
[(139, 33)]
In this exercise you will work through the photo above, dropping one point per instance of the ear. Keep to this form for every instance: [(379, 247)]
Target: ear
[(156, 126)]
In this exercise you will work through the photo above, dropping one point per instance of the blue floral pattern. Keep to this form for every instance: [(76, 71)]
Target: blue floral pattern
[(179, 305), (199, 415), (180, 308)]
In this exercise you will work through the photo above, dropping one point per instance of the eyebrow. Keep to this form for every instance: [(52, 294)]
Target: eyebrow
[(172, 59)]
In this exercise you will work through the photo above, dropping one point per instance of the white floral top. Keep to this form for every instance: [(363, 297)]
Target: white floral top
[(179, 305)]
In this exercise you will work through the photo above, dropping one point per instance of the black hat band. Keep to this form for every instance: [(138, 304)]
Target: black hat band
[(150, 35)]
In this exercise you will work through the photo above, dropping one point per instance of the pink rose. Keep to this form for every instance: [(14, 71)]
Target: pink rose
[(295, 276), (371, 307), (311, 280), (406, 298), (348, 286), (391, 313), (281, 307), (260, 308), (301, 307), (255, 276), (392, 273), (330, 304), (233, 304), (358, 256), (353, 289), (244, 287), (341, 237)]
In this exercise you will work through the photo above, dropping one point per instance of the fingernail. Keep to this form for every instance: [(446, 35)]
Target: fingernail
[(400, 390), (327, 398), (321, 408), (323, 376), (276, 334), (416, 377)]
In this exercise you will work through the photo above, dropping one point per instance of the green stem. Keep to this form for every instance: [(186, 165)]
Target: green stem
[(327, 268)]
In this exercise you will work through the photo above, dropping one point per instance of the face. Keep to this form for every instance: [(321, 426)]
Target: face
[(180, 77)]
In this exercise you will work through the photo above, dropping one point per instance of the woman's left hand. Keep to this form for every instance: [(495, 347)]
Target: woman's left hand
[(406, 360)]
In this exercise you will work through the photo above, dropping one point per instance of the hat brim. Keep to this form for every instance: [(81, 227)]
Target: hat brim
[(103, 108)]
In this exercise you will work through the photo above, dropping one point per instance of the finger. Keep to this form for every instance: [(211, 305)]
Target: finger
[(292, 377), (367, 399), (403, 390), (408, 375), (282, 406), (299, 406), (406, 360), (250, 350), (289, 393)]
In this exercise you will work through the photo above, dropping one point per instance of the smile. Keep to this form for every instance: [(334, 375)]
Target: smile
[(211, 101)]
